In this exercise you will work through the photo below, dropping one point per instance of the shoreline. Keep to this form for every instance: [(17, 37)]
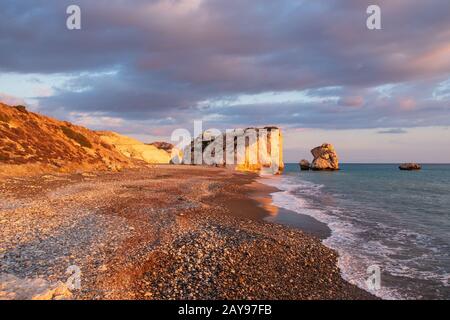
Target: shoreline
[(309, 225), (166, 232), (305, 223)]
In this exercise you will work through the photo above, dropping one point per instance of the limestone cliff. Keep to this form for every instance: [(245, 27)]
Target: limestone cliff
[(252, 149), (135, 149)]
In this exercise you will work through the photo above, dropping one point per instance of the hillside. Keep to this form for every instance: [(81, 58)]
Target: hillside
[(31, 143), (132, 148)]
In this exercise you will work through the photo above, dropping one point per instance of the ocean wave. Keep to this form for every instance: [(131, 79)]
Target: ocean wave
[(356, 253)]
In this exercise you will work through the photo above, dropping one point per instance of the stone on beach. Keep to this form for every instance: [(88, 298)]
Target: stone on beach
[(14, 288)]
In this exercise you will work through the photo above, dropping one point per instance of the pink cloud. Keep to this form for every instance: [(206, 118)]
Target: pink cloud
[(407, 104), (434, 60), (352, 101)]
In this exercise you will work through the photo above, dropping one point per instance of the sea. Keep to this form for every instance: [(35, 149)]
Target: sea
[(385, 223)]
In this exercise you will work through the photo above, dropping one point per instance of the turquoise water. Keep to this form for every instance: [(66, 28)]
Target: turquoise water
[(379, 215)]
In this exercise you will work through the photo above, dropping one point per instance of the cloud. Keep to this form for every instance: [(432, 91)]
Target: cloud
[(407, 104), (354, 101), (393, 131), (140, 61)]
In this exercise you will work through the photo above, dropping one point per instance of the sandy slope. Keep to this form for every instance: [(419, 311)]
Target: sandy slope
[(31, 143), (132, 148)]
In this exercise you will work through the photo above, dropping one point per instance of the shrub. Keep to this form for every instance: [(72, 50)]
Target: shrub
[(21, 108), (106, 146), (78, 137), (4, 157), (4, 118)]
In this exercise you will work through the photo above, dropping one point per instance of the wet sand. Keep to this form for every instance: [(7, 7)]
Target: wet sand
[(262, 194), (163, 232)]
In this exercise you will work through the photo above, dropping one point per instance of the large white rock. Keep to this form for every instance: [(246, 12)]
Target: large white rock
[(252, 149)]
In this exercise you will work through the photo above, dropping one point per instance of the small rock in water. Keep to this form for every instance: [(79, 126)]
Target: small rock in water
[(410, 166), (305, 165)]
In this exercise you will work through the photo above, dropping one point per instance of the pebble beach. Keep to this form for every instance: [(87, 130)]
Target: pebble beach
[(157, 232)]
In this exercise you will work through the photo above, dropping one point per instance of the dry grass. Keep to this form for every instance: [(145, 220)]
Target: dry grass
[(76, 136), (44, 144), (4, 118), (21, 108)]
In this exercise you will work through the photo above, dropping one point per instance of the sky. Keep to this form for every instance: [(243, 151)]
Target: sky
[(311, 67)]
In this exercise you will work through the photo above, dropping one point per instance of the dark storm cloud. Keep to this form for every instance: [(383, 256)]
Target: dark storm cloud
[(170, 55)]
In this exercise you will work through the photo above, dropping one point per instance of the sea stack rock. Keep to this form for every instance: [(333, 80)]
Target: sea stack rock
[(305, 165), (410, 166), (325, 158)]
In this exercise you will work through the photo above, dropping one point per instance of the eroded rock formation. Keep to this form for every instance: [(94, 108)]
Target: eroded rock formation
[(325, 158), (252, 149)]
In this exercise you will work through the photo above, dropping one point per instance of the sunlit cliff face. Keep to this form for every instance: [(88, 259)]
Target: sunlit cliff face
[(257, 150)]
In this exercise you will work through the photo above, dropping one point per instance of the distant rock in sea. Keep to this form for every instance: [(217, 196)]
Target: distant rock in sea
[(410, 166), (305, 165), (325, 158)]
